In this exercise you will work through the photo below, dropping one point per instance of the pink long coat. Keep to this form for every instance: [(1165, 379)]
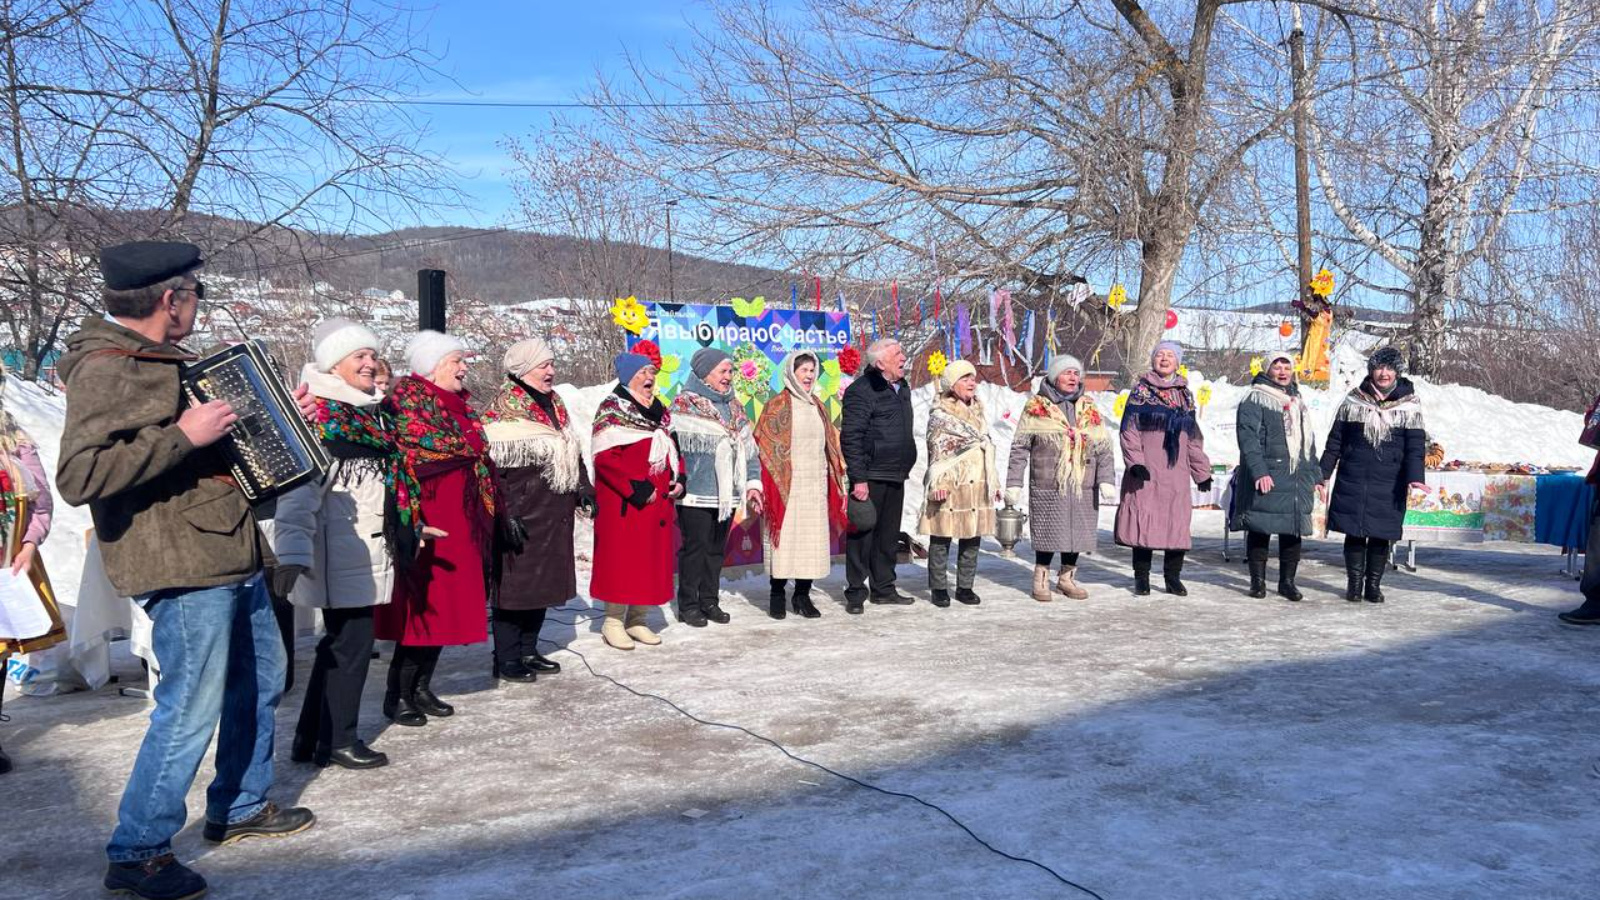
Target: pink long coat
[(1156, 513)]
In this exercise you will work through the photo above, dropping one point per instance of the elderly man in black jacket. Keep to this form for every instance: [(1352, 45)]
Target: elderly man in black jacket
[(879, 451)]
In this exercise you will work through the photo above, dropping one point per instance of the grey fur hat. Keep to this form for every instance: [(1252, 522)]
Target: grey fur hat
[(1387, 358)]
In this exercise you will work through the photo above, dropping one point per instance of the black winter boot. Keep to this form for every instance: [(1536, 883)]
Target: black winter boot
[(1257, 557), (776, 600), (802, 600), (1374, 582), (1288, 567), (425, 698), (1171, 568), (1355, 570), (1377, 563), (712, 610), (399, 702), (940, 597), (1141, 572)]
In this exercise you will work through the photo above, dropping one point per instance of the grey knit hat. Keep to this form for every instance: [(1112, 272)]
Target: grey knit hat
[(706, 359)]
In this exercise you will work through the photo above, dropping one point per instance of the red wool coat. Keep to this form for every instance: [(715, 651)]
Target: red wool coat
[(439, 600), (635, 550)]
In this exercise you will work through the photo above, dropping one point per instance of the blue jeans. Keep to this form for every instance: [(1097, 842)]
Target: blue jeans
[(221, 658)]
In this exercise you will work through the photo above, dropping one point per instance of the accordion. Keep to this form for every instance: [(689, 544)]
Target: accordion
[(272, 450)]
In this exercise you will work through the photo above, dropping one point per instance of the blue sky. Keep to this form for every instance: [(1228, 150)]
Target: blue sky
[(529, 51)]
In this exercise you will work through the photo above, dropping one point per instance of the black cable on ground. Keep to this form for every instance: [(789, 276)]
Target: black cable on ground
[(812, 763)]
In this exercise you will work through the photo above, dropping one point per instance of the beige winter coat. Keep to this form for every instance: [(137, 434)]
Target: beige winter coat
[(335, 527)]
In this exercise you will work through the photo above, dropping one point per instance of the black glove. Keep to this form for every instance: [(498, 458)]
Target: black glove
[(1204, 486), (513, 536), (586, 502), (1138, 471), (283, 579)]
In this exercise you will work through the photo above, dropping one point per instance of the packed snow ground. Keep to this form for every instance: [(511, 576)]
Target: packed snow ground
[(1437, 746)]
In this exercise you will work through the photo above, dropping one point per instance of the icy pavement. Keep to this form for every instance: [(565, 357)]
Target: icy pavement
[(1437, 746)]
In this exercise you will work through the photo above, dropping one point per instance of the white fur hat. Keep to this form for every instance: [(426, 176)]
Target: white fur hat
[(427, 348), (336, 338), (1060, 363)]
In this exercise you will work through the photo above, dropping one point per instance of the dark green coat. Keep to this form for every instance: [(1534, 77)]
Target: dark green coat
[(1264, 450)]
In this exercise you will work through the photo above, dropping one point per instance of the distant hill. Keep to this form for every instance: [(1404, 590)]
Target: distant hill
[(500, 266)]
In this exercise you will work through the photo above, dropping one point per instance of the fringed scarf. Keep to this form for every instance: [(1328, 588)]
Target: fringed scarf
[(774, 437), (702, 428), (1265, 392), (1075, 436), (363, 440), (522, 432), (959, 449), (428, 429), (1165, 405), (620, 421), (1380, 415)]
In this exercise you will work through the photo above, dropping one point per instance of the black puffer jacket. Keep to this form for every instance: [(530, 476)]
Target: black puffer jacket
[(1369, 496), (876, 434)]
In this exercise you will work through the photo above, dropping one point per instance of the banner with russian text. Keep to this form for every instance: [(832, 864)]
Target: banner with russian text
[(758, 338)]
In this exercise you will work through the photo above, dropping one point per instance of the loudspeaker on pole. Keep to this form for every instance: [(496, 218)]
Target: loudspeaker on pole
[(430, 299)]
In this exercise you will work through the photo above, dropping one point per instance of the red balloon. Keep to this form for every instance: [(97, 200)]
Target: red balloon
[(1172, 318)]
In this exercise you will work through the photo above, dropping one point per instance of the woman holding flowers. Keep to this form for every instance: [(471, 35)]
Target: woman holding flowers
[(1065, 448)]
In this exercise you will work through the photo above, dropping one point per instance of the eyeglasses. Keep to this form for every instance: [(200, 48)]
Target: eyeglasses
[(199, 290)]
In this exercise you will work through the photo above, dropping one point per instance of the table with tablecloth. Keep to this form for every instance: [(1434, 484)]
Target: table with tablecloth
[(1471, 507)]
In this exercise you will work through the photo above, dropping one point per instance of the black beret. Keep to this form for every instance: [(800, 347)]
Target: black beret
[(138, 264)]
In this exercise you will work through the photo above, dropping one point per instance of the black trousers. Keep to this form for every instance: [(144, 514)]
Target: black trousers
[(1256, 544), (338, 673), (872, 554), (700, 556), (516, 633), (1041, 558), (1368, 554)]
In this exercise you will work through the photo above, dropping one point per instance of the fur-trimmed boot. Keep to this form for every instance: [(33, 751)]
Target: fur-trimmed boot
[(613, 631), (1041, 584), (638, 627), (1067, 583)]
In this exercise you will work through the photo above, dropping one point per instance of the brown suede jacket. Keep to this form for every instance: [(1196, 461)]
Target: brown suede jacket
[(162, 515)]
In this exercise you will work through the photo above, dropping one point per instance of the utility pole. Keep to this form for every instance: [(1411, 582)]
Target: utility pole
[(1302, 171), (672, 292)]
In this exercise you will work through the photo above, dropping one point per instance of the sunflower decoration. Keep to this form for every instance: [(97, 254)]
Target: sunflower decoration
[(1203, 395), (1183, 371), (1322, 285), (630, 314), (1256, 365), (937, 363), (1117, 296), (1119, 405)]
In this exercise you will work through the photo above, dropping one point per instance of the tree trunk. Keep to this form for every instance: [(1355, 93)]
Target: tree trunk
[(1158, 268), (1435, 279)]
